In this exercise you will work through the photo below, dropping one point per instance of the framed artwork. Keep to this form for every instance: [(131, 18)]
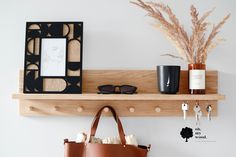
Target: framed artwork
[(53, 57)]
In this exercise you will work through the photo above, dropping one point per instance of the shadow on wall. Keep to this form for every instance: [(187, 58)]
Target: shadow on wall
[(227, 83), (167, 150), (227, 86)]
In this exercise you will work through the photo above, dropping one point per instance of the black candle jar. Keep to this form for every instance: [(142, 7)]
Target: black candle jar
[(168, 78)]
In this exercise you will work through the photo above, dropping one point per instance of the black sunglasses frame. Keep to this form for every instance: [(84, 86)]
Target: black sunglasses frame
[(115, 91)]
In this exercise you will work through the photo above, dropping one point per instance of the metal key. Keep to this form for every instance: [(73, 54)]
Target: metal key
[(199, 116), (209, 109), (198, 113), (185, 109)]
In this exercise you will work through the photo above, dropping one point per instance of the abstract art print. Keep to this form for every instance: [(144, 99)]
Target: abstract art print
[(53, 57)]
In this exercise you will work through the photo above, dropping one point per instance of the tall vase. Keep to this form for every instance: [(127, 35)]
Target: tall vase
[(197, 77)]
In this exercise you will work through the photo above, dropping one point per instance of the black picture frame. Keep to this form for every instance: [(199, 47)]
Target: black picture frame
[(63, 32)]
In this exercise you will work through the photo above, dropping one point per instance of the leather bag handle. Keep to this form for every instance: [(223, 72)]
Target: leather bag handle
[(97, 118), (96, 121)]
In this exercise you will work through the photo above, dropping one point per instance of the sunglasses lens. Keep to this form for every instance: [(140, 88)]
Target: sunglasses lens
[(111, 89), (126, 89), (106, 89)]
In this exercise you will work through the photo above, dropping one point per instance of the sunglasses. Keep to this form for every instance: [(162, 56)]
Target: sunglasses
[(111, 89)]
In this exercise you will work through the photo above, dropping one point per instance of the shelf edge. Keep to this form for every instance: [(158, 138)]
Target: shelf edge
[(113, 97)]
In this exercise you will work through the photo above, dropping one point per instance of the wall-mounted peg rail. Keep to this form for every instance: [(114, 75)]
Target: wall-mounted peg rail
[(148, 102), (157, 106)]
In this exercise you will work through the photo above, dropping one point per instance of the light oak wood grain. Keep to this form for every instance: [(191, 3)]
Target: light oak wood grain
[(145, 80), (141, 108), (148, 101), (135, 97)]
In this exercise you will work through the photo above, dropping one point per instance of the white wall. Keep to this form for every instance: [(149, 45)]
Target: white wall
[(117, 35)]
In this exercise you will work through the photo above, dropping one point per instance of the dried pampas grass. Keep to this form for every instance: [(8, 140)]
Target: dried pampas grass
[(192, 48)]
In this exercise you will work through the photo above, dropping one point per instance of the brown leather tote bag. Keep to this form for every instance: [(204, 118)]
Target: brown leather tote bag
[(87, 149)]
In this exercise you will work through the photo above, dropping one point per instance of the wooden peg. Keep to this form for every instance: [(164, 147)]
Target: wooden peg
[(55, 108), (106, 109), (30, 108), (132, 109), (80, 109), (158, 109)]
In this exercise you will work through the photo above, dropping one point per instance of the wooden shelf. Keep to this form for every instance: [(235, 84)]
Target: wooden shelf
[(126, 105), (118, 97), (148, 101)]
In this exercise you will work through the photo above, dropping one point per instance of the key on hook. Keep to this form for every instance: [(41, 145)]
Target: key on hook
[(198, 113), (185, 109), (209, 109)]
